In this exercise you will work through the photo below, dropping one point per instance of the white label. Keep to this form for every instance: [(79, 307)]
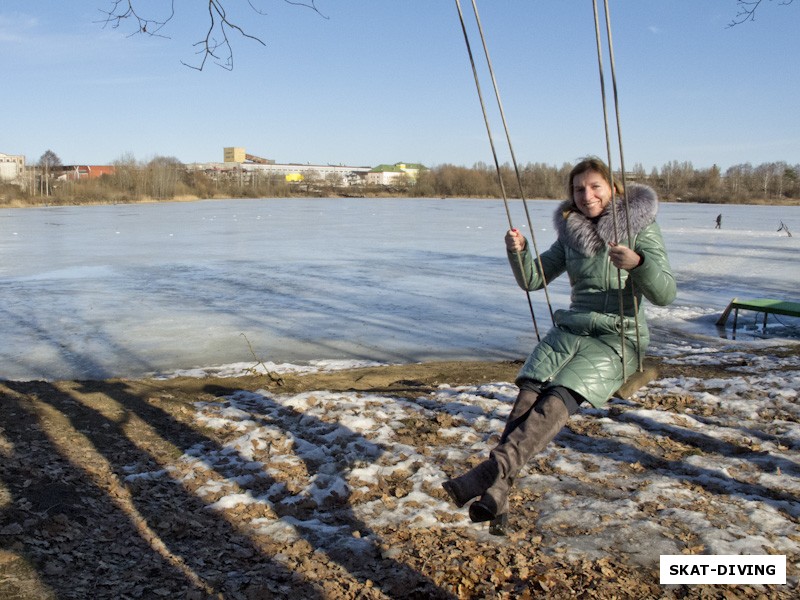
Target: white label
[(745, 569)]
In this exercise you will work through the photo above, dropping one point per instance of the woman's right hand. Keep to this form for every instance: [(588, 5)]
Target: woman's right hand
[(515, 241)]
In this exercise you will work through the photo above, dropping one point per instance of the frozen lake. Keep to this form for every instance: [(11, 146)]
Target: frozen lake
[(129, 290)]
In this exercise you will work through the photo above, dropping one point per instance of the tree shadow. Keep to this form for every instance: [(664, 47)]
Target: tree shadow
[(323, 514), (80, 534), (711, 480), (762, 460), (63, 348), (182, 522)]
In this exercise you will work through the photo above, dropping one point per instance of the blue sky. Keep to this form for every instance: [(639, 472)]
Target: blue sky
[(380, 81)]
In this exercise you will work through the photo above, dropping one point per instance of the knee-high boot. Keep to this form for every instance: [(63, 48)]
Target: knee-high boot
[(471, 484), (526, 435), (477, 480)]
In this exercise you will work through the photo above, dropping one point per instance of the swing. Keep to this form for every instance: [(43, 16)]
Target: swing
[(645, 372)]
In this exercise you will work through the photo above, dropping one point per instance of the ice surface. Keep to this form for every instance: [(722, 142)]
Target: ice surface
[(129, 290)]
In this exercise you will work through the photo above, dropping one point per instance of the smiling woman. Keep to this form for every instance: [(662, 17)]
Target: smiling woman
[(592, 193), (595, 346)]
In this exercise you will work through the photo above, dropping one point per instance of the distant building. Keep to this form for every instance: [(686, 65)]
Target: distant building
[(241, 164), (237, 162), (391, 174), (233, 155), (239, 155), (74, 172), (12, 167)]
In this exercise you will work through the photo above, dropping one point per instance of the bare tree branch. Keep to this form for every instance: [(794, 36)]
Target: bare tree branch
[(215, 45), (123, 10), (747, 10), (312, 5)]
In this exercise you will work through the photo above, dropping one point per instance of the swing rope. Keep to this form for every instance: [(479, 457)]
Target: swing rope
[(496, 161), (612, 62), (513, 159), (538, 258)]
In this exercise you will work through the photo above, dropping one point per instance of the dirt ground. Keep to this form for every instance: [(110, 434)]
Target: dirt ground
[(72, 526)]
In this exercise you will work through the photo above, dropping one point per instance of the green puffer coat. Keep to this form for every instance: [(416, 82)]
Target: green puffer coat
[(582, 352)]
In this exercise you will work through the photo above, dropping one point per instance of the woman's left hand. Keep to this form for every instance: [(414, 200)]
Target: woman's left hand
[(623, 257)]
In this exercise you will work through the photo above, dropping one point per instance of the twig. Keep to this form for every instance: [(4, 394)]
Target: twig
[(215, 44), (272, 376), (747, 11)]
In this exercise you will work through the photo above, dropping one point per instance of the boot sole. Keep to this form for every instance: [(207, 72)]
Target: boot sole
[(499, 525)]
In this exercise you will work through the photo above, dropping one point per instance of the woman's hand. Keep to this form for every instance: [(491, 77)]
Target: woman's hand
[(515, 241), (623, 257)]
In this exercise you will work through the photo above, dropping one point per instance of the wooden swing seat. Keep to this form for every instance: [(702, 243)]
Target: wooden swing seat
[(638, 380)]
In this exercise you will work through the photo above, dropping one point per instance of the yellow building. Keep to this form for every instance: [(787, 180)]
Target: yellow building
[(234, 155)]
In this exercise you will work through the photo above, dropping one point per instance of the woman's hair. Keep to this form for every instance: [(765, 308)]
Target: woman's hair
[(592, 163)]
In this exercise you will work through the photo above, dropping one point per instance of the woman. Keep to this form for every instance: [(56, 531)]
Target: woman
[(580, 358)]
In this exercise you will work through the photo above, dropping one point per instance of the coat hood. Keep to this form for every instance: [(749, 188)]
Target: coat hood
[(590, 237)]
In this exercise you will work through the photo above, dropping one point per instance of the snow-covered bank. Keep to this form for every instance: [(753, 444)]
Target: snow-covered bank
[(689, 465)]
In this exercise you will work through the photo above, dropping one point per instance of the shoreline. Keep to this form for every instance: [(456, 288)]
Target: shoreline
[(16, 204), (411, 377)]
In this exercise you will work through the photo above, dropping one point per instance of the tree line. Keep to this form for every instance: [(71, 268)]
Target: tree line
[(166, 178), (776, 182)]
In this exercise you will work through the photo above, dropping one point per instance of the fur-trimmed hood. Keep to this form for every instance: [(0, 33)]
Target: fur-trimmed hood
[(590, 237)]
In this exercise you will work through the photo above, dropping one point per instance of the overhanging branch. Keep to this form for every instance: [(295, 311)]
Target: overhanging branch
[(215, 45), (747, 10)]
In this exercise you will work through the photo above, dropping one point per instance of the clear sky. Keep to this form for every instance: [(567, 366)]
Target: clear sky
[(379, 81)]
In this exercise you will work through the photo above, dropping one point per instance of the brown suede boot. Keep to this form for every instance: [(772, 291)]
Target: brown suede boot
[(519, 412), (493, 502), (529, 434), (473, 483)]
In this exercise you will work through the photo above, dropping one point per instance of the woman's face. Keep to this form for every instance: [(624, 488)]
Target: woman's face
[(591, 193)]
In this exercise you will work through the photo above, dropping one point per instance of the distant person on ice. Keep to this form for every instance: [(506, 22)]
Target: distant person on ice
[(579, 359), (719, 222)]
